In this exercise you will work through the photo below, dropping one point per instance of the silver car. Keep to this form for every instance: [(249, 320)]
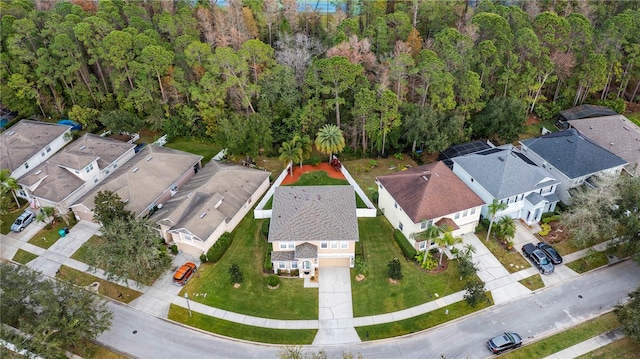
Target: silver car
[(25, 218)]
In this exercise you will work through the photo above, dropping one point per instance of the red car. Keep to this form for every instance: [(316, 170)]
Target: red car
[(182, 275)]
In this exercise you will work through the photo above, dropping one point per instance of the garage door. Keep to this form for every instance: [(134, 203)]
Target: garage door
[(334, 262)]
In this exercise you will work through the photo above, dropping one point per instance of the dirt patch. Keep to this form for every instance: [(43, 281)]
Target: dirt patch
[(532, 120), (297, 172), (558, 233)]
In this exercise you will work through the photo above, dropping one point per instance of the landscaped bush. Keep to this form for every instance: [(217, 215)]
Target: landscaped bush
[(203, 258), (264, 230), (475, 292), (220, 247), (268, 265), (545, 229), (427, 261), (407, 249), (395, 269), (555, 217), (174, 249), (236, 274), (375, 196), (273, 280), (295, 272)]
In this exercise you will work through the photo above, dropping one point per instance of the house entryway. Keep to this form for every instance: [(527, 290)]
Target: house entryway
[(335, 314)]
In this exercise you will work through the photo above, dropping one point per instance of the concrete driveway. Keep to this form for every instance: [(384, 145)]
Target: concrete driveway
[(335, 307)]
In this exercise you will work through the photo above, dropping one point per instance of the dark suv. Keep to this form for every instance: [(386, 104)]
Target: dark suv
[(551, 252), (538, 258), (504, 341)]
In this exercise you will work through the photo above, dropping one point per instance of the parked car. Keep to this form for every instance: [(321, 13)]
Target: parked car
[(182, 275), (551, 253), (504, 341), (538, 258), (25, 218)]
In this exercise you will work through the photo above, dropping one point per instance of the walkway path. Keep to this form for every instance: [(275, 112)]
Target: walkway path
[(335, 312), (589, 345)]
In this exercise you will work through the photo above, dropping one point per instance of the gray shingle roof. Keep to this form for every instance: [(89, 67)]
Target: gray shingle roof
[(314, 213), (573, 154), (306, 250), (534, 198), (282, 256), (218, 191), (25, 139), (503, 173)]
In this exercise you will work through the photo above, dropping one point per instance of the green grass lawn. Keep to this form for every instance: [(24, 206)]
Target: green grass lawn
[(94, 351), (24, 257), (241, 331), (376, 295), (48, 236), (290, 301), (421, 322), (106, 288), (565, 339), (633, 117), (512, 260), (207, 150), (535, 130), (589, 262), (81, 253), (534, 282), (624, 348)]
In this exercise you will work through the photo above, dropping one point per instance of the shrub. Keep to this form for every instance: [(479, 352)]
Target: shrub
[(407, 249), (268, 265), (618, 105), (264, 230), (281, 272), (395, 269), (220, 247), (467, 267), (545, 229), (273, 280), (295, 272), (203, 258), (236, 274), (375, 196), (373, 163), (174, 249), (399, 156), (475, 292), (315, 160), (361, 266), (427, 260)]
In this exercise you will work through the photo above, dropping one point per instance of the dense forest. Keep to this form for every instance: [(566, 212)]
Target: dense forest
[(249, 74)]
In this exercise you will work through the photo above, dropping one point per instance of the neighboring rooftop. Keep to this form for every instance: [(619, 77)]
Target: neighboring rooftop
[(573, 154), (616, 134), (584, 111), (25, 139), (213, 195), (429, 191), (144, 177), (504, 172), (463, 149), (314, 213)]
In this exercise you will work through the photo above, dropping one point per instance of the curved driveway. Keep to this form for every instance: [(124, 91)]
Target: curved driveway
[(539, 314)]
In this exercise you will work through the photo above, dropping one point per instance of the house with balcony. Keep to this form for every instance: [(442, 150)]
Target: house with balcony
[(571, 158), (313, 227), (431, 194), (507, 175)]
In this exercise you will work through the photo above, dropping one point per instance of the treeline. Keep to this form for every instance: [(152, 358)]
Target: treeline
[(393, 75)]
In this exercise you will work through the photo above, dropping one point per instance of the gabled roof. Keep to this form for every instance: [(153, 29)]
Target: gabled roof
[(504, 172), (429, 191), (25, 139), (215, 194), (144, 177), (314, 213), (56, 176), (616, 134), (573, 154)]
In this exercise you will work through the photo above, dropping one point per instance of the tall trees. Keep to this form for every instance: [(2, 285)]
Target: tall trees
[(502, 118)]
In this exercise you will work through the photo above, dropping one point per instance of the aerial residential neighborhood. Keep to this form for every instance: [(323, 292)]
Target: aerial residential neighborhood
[(319, 179)]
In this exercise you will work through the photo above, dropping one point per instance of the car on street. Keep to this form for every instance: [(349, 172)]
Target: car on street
[(504, 341), (182, 275), (21, 222), (538, 258), (551, 253)]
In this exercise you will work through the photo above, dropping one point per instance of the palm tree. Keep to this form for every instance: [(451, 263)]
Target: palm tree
[(505, 228), (429, 234), (446, 241), (494, 208), (289, 152), (304, 143), (9, 184), (330, 140), (45, 214)]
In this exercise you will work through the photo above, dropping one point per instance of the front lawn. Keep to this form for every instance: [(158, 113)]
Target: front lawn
[(590, 261), (207, 150), (421, 322), (376, 295), (624, 348), (81, 253), (48, 236), (241, 331), (290, 301), (534, 282), (106, 288), (566, 338), (24, 257)]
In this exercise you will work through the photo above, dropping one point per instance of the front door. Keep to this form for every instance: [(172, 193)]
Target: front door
[(306, 267)]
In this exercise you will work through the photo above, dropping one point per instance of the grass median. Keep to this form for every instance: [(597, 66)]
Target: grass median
[(24, 257)]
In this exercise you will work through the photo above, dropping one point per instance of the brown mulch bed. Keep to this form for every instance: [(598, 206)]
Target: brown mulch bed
[(558, 233), (439, 269), (297, 172)]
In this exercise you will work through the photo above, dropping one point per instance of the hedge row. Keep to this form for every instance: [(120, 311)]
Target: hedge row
[(406, 247), (220, 247)]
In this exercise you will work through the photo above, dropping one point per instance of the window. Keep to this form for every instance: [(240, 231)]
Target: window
[(106, 172), (48, 149), (26, 165), (89, 168), (344, 244), (95, 179), (423, 225), (422, 246), (294, 265), (282, 265), (472, 180), (174, 188), (473, 211), (334, 244), (283, 245), (324, 245), (400, 226), (457, 215), (465, 212), (115, 165), (188, 238), (290, 245), (42, 153), (249, 200), (395, 204)]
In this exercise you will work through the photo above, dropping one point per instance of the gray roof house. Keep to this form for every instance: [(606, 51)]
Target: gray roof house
[(571, 158), (150, 178), (507, 175), (72, 172), (213, 202), (313, 226), (616, 134), (28, 143)]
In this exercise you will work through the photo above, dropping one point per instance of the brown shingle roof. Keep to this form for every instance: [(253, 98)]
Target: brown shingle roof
[(429, 191)]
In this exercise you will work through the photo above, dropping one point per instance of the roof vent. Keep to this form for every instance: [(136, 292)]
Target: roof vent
[(135, 170), (38, 172), (203, 214), (591, 127), (149, 158), (501, 158), (425, 178), (82, 147), (626, 128), (12, 133), (611, 143), (569, 140), (189, 195)]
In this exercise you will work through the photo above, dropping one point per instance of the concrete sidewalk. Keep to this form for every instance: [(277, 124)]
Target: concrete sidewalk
[(589, 345)]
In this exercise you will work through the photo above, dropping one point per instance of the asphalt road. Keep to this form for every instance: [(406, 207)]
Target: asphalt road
[(539, 314)]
